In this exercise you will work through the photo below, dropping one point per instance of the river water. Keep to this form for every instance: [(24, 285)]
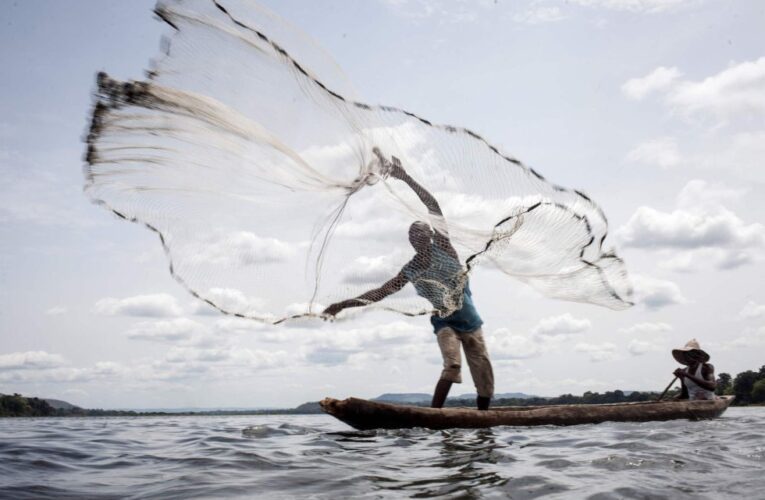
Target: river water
[(318, 457)]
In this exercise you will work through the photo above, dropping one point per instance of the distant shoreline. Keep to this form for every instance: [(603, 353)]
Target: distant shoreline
[(19, 406), (747, 386)]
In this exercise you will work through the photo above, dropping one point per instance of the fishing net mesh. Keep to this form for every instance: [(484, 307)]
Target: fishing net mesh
[(275, 192)]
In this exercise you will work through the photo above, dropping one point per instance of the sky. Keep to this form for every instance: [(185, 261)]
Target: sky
[(655, 108)]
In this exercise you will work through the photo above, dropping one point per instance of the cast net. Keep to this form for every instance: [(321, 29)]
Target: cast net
[(275, 192)]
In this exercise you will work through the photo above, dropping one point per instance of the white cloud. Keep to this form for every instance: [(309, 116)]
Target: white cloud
[(655, 293), (539, 15), (178, 365), (229, 299), (242, 248), (371, 335), (597, 352), (642, 329), (751, 338), (752, 310), (737, 91), (53, 374), (157, 305), (701, 228), (165, 331), (377, 228), (503, 345), (330, 355), (565, 324), (107, 369), (733, 97), (226, 357), (56, 311), (334, 346), (263, 332), (662, 152), (680, 262), (30, 360), (639, 347), (732, 259), (239, 326), (699, 194), (332, 158), (721, 258), (375, 270), (659, 79), (303, 308), (651, 228)]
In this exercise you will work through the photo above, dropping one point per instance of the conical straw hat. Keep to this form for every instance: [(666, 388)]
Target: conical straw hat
[(692, 345)]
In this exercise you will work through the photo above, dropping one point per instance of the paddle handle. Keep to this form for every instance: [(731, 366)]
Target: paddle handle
[(667, 389)]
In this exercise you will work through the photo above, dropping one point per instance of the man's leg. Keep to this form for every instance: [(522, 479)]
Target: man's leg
[(449, 343), (439, 395), (480, 366)]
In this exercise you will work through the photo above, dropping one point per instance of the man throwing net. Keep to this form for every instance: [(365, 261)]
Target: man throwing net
[(437, 275)]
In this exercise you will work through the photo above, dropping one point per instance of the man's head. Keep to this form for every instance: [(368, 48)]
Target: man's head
[(696, 356), (420, 235), (690, 354)]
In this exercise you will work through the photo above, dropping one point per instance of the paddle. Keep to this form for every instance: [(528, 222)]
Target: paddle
[(667, 389)]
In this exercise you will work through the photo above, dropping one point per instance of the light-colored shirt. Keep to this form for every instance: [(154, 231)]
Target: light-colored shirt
[(695, 391)]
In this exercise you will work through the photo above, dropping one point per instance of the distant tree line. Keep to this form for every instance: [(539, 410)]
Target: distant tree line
[(588, 397), (748, 386), (19, 406)]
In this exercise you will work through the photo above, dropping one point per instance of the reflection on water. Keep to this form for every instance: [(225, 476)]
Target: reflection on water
[(319, 457)]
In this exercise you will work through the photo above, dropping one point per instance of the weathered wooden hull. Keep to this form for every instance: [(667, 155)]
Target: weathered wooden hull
[(363, 414)]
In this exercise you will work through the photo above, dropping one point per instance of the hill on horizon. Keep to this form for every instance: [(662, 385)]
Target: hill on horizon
[(308, 407), (60, 404), (57, 404)]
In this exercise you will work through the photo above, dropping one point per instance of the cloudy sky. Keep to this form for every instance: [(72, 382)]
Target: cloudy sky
[(655, 108)]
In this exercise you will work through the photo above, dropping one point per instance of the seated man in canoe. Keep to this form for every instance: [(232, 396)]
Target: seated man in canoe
[(437, 275), (698, 378)]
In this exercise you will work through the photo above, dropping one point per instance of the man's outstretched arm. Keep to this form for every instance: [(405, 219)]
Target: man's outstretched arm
[(393, 166), (397, 171), (375, 295)]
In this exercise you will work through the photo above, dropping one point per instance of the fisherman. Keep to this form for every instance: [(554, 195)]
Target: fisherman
[(698, 378), (437, 275)]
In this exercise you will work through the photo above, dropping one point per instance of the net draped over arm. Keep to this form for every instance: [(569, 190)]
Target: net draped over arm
[(256, 169)]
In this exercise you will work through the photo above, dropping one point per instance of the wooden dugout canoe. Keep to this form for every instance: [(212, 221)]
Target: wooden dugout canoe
[(363, 414)]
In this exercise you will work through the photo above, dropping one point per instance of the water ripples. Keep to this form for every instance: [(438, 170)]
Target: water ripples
[(318, 457)]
